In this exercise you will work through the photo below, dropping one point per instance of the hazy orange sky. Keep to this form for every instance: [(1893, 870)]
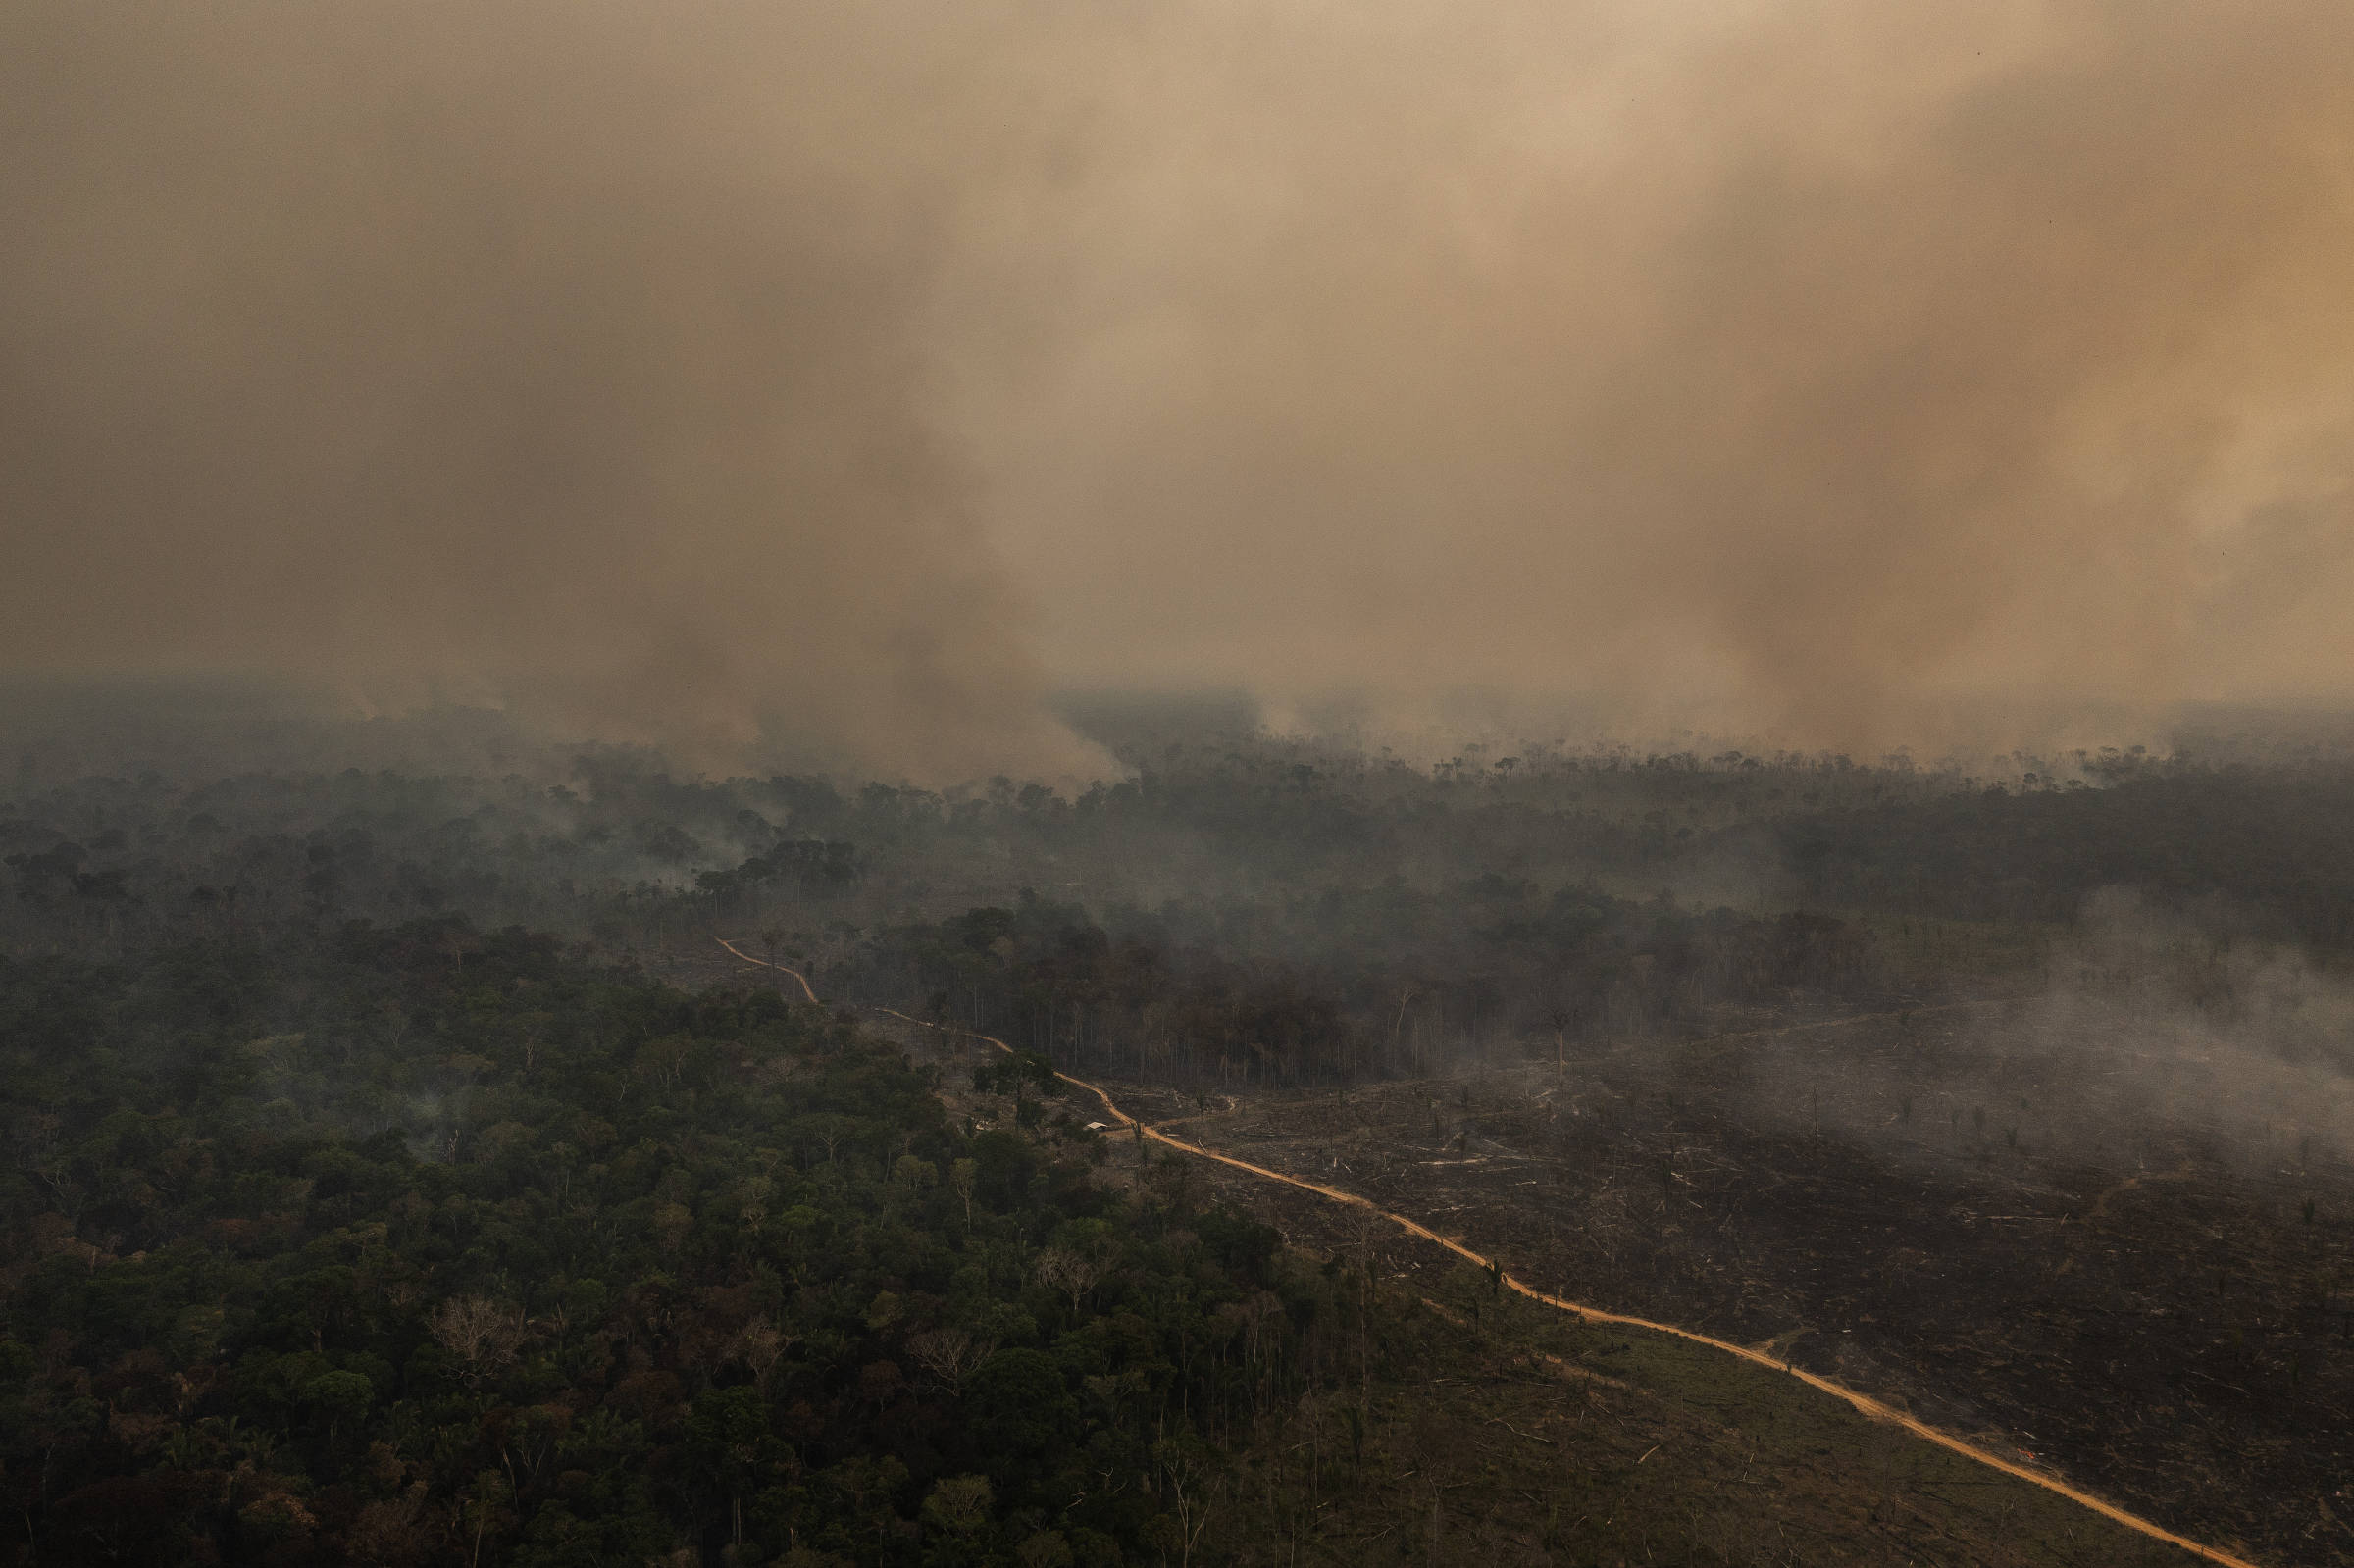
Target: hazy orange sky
[(726, 375)]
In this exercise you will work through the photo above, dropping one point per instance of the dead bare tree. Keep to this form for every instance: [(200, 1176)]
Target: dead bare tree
[(962, 1176), (760, 1347), (1072, 1273), (950, 1353), (481, 1334)]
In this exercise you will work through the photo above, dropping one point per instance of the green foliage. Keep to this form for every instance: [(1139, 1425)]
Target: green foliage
[(426, 1244)]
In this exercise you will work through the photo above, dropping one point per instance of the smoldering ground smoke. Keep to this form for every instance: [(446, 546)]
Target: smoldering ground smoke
[(717, 374)]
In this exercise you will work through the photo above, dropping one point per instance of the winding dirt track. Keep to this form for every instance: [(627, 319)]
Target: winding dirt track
[(801, 978), (1864, 1402)]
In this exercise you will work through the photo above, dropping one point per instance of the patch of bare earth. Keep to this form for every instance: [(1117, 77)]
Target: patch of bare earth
[(1951, 1227)]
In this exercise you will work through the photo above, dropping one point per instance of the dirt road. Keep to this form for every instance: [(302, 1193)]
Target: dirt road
[(1865, 1403), (801, 978)]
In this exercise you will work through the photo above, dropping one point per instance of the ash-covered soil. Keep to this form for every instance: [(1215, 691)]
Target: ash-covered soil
[(1976, 1214)]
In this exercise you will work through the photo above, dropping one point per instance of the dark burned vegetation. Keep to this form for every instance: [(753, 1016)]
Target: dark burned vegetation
[(349, 1220), (1400, 980)]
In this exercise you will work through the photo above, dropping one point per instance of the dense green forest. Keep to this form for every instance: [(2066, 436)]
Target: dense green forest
[(419, 1244)]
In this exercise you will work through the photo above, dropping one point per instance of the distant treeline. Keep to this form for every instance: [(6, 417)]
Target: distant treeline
[(631, 856), (2272, 847)]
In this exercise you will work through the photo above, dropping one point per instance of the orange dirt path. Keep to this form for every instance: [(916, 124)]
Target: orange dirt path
[(1862, 1402), (765, 963)]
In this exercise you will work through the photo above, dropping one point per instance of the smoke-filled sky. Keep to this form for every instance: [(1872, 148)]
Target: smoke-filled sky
[(839, 378)]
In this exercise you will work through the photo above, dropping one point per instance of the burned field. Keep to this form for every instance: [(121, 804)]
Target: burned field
[(1955, 1211), (1490, 1427)]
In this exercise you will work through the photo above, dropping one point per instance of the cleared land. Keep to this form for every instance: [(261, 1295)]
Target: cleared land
[(1989, 1286), (2163, 1322)]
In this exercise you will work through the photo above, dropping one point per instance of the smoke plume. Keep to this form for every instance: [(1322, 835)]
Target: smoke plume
[(1815, 366), (723, 374), (567, 357)]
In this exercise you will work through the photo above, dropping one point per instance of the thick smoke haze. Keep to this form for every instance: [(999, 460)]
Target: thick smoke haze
[(1819, 367), (562, 356), (749, 378)]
